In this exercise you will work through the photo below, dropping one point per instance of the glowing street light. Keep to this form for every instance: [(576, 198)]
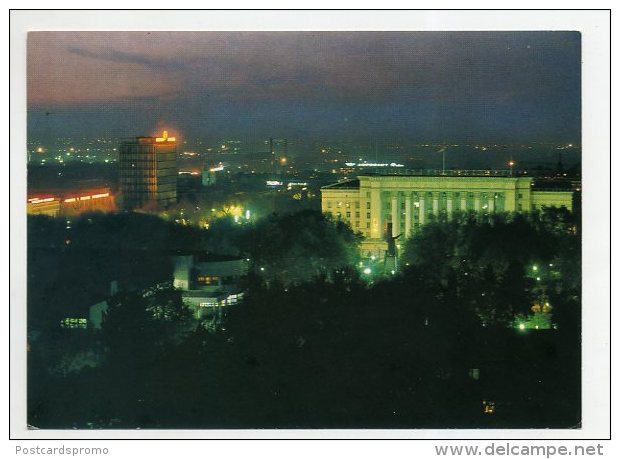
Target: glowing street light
[(367, 271)]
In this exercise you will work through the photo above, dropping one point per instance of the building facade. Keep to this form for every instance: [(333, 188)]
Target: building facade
[(370, 203), (209, 282), (71, 202), (148, 172)]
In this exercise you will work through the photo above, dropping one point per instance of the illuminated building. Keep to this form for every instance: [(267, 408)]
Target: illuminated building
[(148, 172), (369, 203), (49, 206), (97, 201), (208, 282), (71, 202)]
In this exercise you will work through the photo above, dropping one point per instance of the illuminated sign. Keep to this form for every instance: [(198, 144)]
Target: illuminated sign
[(88, 197), (165, 138), (39, 200), (274, 183)]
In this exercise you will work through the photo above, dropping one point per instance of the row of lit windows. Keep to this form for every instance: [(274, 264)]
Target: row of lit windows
[(347, 205), (208, 280), (71, 322)]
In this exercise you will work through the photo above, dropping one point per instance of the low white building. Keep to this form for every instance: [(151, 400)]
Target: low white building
[(209, 282)]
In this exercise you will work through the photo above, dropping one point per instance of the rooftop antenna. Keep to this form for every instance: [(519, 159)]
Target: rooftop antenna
[(443, 161)]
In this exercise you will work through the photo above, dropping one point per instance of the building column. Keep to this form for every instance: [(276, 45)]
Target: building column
[(477, 202), (407, 215), (395, 215), (449, 205), (463, 202), (422, 209), (435, 203), (376, 213), (491, 203)]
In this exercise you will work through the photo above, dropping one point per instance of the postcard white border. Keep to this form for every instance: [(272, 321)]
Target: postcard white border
[(594, 27)]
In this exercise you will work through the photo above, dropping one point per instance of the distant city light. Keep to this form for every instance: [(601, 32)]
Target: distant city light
[(374, 164)]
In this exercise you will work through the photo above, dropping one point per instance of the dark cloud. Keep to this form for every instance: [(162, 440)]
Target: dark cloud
[(114, 55), (453, 84)]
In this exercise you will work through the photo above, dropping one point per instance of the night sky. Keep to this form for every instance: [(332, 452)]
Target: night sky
[(317, 86)]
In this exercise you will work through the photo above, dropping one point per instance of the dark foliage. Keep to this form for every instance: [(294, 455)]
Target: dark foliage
[(422, 349)]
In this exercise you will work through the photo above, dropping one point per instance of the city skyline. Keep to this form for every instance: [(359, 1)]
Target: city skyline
[(462, 86)]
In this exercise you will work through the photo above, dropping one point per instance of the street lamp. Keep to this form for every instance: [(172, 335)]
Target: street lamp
[(511, 163)]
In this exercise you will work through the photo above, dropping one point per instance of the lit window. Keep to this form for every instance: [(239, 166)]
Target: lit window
[(208, 280), (71, 322)]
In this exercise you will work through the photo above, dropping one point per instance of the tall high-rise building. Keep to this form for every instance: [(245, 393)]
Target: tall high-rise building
[(148, 172)]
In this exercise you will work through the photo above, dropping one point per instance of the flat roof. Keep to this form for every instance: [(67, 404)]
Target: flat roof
[(349, 184)]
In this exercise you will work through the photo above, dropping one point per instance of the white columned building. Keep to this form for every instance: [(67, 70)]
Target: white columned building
[(373, 194)]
